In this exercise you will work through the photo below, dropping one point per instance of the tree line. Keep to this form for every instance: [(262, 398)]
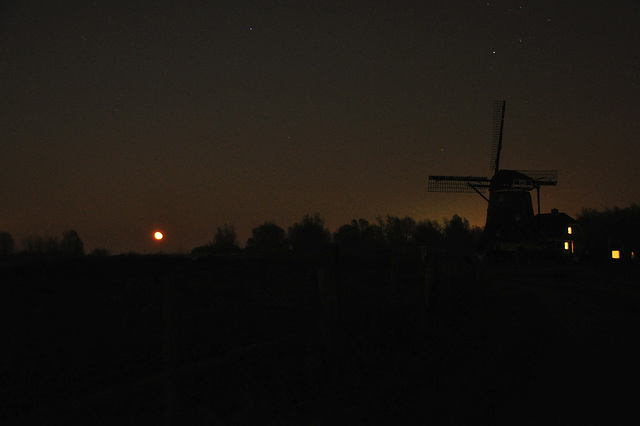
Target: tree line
[(70, 244), (603, 230), (616, 228), (311, 235)]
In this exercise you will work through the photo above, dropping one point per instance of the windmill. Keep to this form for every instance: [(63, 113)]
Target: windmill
[(510, 222)]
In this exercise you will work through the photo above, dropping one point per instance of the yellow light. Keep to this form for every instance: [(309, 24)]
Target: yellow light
[(158, 235), (615, 254), (569, 230), (566, 245)]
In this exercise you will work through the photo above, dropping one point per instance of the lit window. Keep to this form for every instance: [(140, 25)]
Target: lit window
[(566, 245), (569, 230), (615, 254)]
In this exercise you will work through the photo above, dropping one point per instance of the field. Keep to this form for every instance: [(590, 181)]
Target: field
[(239, 340)]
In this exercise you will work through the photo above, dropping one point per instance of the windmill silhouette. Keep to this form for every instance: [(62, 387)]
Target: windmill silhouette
[(510, 223)]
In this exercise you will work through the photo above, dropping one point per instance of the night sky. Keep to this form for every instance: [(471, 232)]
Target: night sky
[(122, 117)]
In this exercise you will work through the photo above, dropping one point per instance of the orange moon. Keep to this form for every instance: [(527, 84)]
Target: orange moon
[(158, 235)]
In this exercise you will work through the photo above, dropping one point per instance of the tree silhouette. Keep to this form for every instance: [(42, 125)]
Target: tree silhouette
[(429, 233), (459, 237), (403, 233), (617, 228), (267, 238), (398, 232), (41, 245), (359, 235), (7, 245), (309, 234), (225, 241), (71, 244)]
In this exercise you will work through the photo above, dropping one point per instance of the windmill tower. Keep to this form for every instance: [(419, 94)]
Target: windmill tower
[(510, 223)]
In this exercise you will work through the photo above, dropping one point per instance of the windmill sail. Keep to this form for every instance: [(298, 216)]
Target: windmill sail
[(510, 223), (498, 126), (458, 184), (542, 177)]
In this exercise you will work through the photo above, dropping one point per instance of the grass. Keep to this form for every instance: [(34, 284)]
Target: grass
[(87, 339)]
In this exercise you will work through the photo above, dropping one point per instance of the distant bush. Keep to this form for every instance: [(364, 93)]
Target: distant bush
[(99, 252)]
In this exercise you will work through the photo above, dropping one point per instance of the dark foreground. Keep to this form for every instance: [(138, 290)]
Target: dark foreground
[(130, 340)]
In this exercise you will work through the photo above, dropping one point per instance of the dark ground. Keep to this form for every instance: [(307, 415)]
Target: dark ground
[(126, 340)]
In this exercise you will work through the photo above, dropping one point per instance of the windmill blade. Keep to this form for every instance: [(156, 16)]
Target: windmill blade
[(542, 177), (458, 184), (498, 126)]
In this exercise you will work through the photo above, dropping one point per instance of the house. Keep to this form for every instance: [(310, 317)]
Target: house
[(560, 233)]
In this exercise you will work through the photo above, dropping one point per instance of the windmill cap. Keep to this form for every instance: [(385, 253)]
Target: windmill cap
[(511, 179)]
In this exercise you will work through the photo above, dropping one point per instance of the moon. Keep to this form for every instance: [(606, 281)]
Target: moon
[(158, 235)]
